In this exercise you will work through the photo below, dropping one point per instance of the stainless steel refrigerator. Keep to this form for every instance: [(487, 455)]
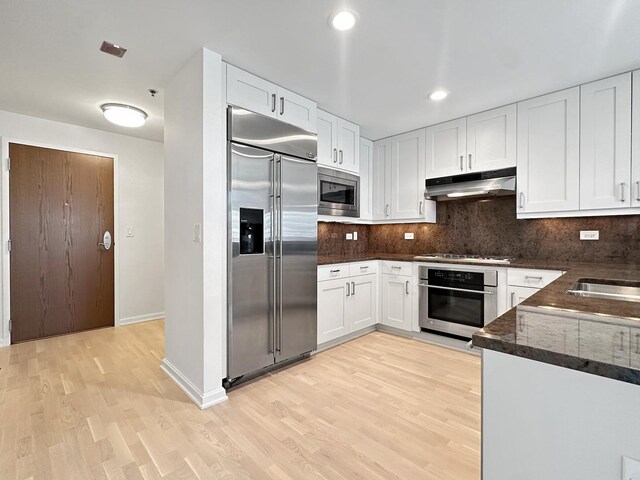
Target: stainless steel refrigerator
[(273, 243)]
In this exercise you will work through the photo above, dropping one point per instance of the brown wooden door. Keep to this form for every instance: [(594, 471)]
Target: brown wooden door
[(60, 205)]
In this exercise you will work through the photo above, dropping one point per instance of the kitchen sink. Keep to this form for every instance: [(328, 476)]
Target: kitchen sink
[(624, 290)]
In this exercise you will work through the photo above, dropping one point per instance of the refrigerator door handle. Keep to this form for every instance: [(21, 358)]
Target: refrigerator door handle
[(274, 236), (278, 253)]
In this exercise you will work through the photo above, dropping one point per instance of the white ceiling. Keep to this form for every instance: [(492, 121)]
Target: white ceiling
[(485, 52)]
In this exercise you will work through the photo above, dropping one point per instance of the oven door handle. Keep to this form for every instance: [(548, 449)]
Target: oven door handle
[(483, 292)]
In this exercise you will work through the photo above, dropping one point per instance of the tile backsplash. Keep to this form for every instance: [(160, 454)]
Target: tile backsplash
[(490, 227)]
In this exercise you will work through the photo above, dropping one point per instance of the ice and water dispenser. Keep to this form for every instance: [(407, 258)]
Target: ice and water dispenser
[(251, 231)]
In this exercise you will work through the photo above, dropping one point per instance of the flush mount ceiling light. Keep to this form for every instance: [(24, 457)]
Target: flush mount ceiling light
[(343, 20), (438, 95), (123, 115)]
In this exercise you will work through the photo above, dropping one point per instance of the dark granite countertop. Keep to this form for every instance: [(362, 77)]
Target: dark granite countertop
[(593, 335), (329, 259)]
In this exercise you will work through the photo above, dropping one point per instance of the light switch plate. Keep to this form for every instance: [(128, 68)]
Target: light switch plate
[(197, 233), (630, 468), (589, 234), (349, 236), (408, 236), (129, 231)]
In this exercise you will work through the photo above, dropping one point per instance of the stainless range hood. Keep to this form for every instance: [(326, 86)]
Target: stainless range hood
[(472, 185)]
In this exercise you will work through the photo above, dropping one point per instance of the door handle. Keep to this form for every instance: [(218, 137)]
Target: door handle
[(281, 105), (348, 291), (386, 210), (521, 203), (533, 277), (622, 341), (334, 271), (353, 288), (638, 191), (461, 163), (341, 157), (106, 241), (273, 102), (420, 208), (335, 155), (469, 162), (512, 296), (406, 287), (622, 185)]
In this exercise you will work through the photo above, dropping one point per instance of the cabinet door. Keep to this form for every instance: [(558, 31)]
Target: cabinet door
[(332, 308), (517, 295), (604, 342), (446, 148), (381, 191), (491, 139), (635, 137), (605, 143), (327, 139), (297, 110), (548, 155), (407, 175), (362, 306), (348, 146), (396, 301), (248, 91), (366, 179)]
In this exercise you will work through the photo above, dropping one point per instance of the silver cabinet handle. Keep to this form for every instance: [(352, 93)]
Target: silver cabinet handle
[(281, 105), (522, 324), (348, 291), (273, 102), (335, 155), (521, 203), (364, 267), (407, 287), (469, 163), (420, 208), (481, 292), (353, 288), (513, 294), (341, 157), (638, 343), (461, 163), (334, 271), (622, 185), (395, 267), (386, 210), (638, 190), (622, 341), (532, 277)]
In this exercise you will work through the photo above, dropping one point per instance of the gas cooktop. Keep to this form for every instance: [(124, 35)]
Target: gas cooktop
[(464, 258)]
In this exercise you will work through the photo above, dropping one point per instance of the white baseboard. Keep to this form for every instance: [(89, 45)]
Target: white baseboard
[(202, 400), (141, 318)]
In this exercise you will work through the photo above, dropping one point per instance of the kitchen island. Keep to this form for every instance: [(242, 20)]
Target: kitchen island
[(561, 382)]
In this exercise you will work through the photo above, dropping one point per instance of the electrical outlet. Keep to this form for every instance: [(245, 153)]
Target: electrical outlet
[(355, 235), (589, 234), (128, 231), (408, 236), (349, 236), (630, 468), (197, 233)]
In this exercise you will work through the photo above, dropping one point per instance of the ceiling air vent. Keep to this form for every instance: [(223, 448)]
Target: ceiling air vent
[(112, 49)]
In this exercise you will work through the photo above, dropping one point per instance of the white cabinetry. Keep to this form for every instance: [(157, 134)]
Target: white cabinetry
[(362, 304), (396, 295), (446, 146), (261, 96), (516, 294), (338, 143), (381, 186), (366, 179), (332, 309), (635, 136), (548, 152), (605, 143), (523, 282), (407, 175)]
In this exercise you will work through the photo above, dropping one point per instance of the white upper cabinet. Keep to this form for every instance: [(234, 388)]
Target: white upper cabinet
[(548, 152), (261, 96), (491, 140), (366, 180), (407, 175), (380, 185), (446, 146), (635, 136), (605, 143), (338, 143)]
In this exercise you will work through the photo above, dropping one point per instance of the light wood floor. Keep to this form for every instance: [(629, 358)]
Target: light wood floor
[(97, 405)]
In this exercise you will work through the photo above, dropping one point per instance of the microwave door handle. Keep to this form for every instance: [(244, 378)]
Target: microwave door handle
[(482, 292)]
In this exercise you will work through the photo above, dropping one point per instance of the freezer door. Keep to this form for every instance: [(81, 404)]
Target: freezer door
[(296, 328), (251, 263)]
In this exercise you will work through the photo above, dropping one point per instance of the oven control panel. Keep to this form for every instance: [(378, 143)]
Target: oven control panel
[(443, 276)]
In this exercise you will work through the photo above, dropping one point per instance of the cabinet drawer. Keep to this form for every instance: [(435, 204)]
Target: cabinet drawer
[(521, 277), (332, 272), (363, 268), (397, 268)]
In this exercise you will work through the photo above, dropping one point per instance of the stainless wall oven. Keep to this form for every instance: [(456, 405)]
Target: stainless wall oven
[(456, 301), (338, 193)]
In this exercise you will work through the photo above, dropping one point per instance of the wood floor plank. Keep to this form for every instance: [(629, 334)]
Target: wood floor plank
[(96, 405)]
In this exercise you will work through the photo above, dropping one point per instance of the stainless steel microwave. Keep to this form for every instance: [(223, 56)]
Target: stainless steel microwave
[(338, 193)]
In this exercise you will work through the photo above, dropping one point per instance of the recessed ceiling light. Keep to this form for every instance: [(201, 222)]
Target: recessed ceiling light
[(123, 115), (438, 95), (343, 20)]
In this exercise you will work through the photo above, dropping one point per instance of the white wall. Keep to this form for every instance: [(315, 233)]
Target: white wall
[(195, 193), (542, 421), (140, 204)]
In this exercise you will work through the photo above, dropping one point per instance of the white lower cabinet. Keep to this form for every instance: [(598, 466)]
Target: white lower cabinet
[(349, 303), (517, 294), (396, 301), (524, 282)]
